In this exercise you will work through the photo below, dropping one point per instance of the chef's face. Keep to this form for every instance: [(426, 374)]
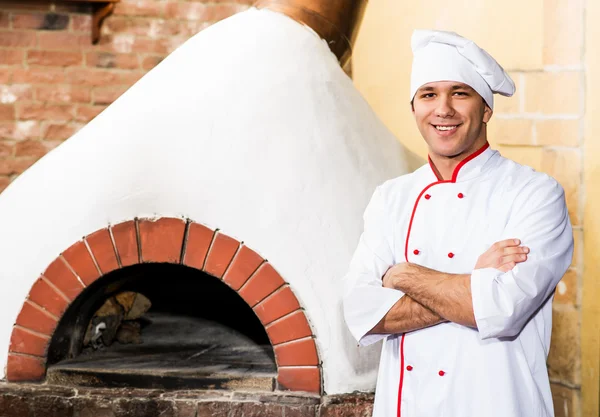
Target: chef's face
[(451, 117)]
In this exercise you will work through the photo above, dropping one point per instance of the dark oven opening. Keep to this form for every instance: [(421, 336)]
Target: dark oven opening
[(159, 325)]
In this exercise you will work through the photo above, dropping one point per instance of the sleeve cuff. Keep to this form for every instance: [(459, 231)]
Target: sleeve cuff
[(483, 300), (363, 313)]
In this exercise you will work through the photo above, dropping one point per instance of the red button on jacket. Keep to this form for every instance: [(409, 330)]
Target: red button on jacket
[(442, 373), (427, 196), (460, 195), (450, 255), (416, 251), (409, 368)]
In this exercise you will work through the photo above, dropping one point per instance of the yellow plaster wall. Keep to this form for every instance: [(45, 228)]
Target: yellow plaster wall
[(547, 125), (591, 176)]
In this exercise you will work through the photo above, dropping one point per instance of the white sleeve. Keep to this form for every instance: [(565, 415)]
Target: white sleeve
[(504, 302), (365, 300)]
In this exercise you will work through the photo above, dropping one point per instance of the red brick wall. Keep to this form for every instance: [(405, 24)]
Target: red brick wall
[(53, 80)]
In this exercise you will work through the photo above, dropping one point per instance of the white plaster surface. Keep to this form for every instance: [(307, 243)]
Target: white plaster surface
[(250, 126)]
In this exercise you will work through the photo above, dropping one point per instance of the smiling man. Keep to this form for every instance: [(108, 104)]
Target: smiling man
[(458, 261)]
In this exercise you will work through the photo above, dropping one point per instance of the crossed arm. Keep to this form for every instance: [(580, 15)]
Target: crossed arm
[(433, 297)]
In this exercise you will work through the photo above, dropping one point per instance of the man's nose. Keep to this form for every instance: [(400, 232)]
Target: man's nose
[(444, 107)]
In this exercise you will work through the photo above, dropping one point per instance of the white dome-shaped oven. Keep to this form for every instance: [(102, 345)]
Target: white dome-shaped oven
[(250, 129)]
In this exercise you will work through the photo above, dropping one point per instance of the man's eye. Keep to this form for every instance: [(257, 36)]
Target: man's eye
[(460, 93), (428, 95)]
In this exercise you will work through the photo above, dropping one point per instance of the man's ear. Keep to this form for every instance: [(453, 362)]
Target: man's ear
[(412, 106), (487, 113)]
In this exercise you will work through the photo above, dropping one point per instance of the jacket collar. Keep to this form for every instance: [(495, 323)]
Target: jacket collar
[(469, 167)]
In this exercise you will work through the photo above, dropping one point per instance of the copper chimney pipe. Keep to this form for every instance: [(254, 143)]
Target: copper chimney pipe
[(336, 21)]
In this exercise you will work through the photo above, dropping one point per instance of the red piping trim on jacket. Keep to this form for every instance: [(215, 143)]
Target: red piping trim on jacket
[(412, 216), (401, 374)]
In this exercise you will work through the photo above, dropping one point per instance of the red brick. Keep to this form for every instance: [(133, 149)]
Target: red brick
[(51, 144), (10, 39), (80, 260), (61, 131), (63, 94), (297, 353), (161, 240), (61, 40), (200, 11), (15, 166), (190, 28), (107, 95), (41, 21), (12, 93), (300, 379), (4, 182), (112, 60), (54, 58), (69, 7), (292, 327), (101, 77), (151, 61), (246, 261), (4, 20), (277, 305), (126, 242), (21, 368), (81, 23), (264, 282), (20, 130), (139, 8), (23, 341), (86, 114), (6, 76), (61, 276), (39, 76), (7, 112), (27, 20), (220, 255), (103, 250), (10, 166), (126, 25), (25, 5), (31, 148), (6, 148), (198, 242), (125, 43), (160, 28), (46, 112), (12, 57), (35, 318)]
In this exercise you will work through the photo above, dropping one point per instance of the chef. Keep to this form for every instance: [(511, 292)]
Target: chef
[(458, 261)]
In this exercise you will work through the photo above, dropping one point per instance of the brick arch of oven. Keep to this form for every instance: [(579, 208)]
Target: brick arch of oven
[(174, 241)]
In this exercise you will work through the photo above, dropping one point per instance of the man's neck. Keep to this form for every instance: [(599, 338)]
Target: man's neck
[(444, 166)]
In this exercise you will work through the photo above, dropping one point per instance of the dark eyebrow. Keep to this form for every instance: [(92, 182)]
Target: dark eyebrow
[(462, 87), (425, 89)]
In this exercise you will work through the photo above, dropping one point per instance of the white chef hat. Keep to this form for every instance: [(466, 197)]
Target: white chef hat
[(447, 56)]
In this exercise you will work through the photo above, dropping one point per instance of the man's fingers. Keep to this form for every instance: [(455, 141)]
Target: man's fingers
[(514, 258), (515, 250), (505, 243), (507, 267)]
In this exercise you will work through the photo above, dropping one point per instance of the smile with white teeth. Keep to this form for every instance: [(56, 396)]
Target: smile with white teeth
[(446, 127)]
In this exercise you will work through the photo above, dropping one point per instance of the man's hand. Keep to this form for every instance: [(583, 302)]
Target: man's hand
[(503, 255), (389, 279)]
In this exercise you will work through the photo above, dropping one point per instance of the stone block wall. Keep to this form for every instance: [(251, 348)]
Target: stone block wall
[(53, 80), (542, 126), (53, 401)]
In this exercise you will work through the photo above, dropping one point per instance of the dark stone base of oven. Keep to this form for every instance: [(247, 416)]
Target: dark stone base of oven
[(30, 400)]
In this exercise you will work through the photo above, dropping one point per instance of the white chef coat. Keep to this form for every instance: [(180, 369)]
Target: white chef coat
[(449, 370)]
